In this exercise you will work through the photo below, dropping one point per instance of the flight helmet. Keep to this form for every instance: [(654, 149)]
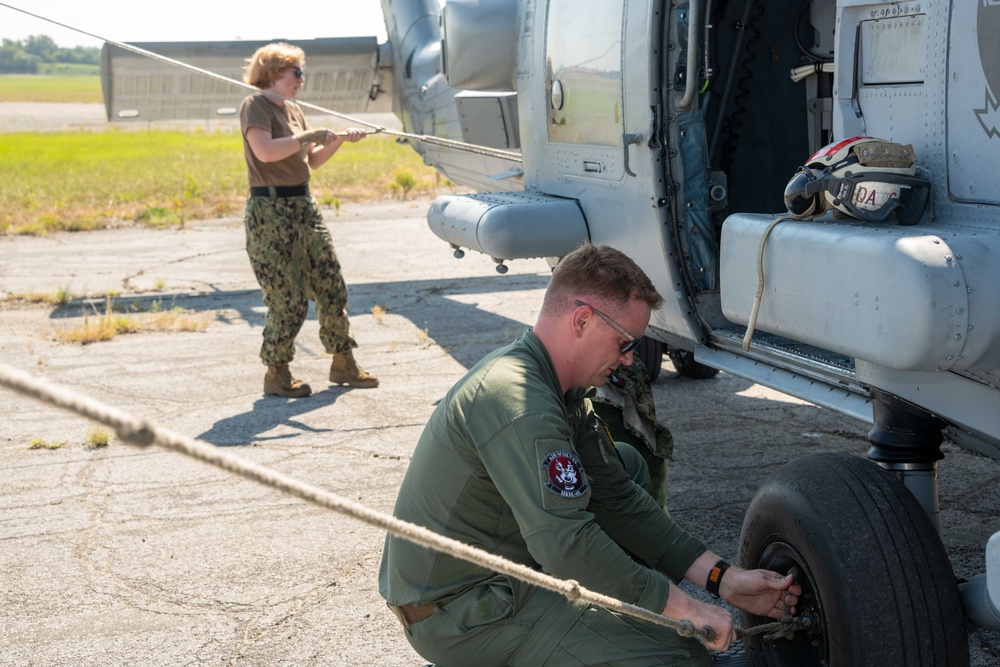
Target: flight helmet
[(862, 178)]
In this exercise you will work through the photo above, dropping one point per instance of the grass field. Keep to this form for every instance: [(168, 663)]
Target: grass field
[(77, 181), (55, 89), (82, 181)]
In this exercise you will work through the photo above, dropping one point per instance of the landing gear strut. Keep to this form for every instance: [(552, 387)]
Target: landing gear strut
[(906, 441)]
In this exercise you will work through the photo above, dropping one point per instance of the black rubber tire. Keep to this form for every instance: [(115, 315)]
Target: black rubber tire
[(687, 367), (876, 578), (650, 353)]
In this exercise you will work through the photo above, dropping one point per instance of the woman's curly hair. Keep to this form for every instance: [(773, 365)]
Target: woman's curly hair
[(267, 63)]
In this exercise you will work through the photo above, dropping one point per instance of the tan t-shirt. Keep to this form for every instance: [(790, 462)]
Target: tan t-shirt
[(259, 111)]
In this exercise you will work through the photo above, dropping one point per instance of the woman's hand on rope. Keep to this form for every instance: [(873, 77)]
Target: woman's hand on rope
[(760, 592), (353, 134), (321, 136), (680, 605)]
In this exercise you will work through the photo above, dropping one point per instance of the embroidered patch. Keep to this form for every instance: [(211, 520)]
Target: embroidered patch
[(616, 380), (565, 474)]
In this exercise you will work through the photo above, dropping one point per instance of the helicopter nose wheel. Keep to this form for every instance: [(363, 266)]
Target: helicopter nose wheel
[(878, 587)]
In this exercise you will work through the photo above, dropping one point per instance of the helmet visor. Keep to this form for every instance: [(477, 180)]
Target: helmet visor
[(798, 203), (877, 197)]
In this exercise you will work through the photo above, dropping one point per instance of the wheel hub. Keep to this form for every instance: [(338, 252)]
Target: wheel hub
[(805, 642)]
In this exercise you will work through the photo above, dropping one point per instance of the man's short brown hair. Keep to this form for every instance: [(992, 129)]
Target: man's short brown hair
[(600, 273), (267, 63)]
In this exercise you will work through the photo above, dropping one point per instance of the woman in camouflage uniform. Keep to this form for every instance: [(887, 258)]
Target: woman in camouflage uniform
[(288, 242)]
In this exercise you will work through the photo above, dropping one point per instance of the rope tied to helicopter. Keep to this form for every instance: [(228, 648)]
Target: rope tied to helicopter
[(485, 151), (142, 433)]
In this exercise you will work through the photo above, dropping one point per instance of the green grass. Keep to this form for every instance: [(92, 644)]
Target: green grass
[(61, 88), (99, 437), (77, 181), (70, 69), (80, 181), (41, 443)]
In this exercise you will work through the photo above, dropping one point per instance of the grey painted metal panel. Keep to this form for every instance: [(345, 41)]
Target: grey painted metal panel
[(824, 395), (972, 408), (898, 91), (489, 119), (908, 298), (973, 115), (893, 50), (480, 44)]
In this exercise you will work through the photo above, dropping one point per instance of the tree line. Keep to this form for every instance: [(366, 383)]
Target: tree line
[(39, 54)]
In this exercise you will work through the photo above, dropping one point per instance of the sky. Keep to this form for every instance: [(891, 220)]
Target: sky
[(189, 20)]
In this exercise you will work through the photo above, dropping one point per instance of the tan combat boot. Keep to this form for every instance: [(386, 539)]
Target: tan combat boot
[(345, 370), (279, 382)]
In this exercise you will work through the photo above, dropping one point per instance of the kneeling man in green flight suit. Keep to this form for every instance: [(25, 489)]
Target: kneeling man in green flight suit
[(515, 461)]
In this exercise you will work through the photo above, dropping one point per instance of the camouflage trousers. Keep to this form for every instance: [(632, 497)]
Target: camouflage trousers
[(293, 258)]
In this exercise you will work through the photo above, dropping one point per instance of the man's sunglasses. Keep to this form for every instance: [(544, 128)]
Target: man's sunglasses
[(630, 344), (298, 72)]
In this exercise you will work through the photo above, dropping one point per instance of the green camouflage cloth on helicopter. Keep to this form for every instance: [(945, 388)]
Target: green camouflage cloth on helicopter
[(625, 403)]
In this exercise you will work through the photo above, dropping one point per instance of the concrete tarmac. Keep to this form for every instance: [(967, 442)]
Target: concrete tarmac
[(117, 555)]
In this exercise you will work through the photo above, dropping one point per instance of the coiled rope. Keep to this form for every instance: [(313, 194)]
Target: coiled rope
[(378, 129), (142, 433)]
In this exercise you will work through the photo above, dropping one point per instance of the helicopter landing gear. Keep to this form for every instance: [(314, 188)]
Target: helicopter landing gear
[(877, 583)]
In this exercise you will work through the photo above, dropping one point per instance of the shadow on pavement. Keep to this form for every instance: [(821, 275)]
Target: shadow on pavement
[(269, 412), (425, 303)]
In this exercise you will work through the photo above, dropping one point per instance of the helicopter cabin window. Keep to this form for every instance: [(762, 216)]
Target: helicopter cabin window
[(584, 68)]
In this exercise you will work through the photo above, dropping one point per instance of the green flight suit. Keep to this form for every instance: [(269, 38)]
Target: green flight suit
[(508, 464)]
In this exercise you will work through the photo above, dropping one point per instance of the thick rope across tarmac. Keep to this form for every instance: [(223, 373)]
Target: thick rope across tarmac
[(141, 433)]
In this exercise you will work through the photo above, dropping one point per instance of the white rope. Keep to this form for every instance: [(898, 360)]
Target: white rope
[(759, 296), (424, 138), (142, 433)]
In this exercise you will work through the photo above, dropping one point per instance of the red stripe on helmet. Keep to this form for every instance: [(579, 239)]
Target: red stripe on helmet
[(832, 149)]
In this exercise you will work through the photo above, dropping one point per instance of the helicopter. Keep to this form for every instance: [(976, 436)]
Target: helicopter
[(670, 131)]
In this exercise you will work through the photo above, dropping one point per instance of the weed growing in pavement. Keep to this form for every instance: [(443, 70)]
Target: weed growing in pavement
[(98, 437), (105, 326), (40, 443), (60, 297), (176, 319)]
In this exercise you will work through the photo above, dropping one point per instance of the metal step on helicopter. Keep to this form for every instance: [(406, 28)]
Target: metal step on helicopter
[(864, 279)]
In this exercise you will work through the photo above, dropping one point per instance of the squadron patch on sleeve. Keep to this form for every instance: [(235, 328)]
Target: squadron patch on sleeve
[(565, 475)]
